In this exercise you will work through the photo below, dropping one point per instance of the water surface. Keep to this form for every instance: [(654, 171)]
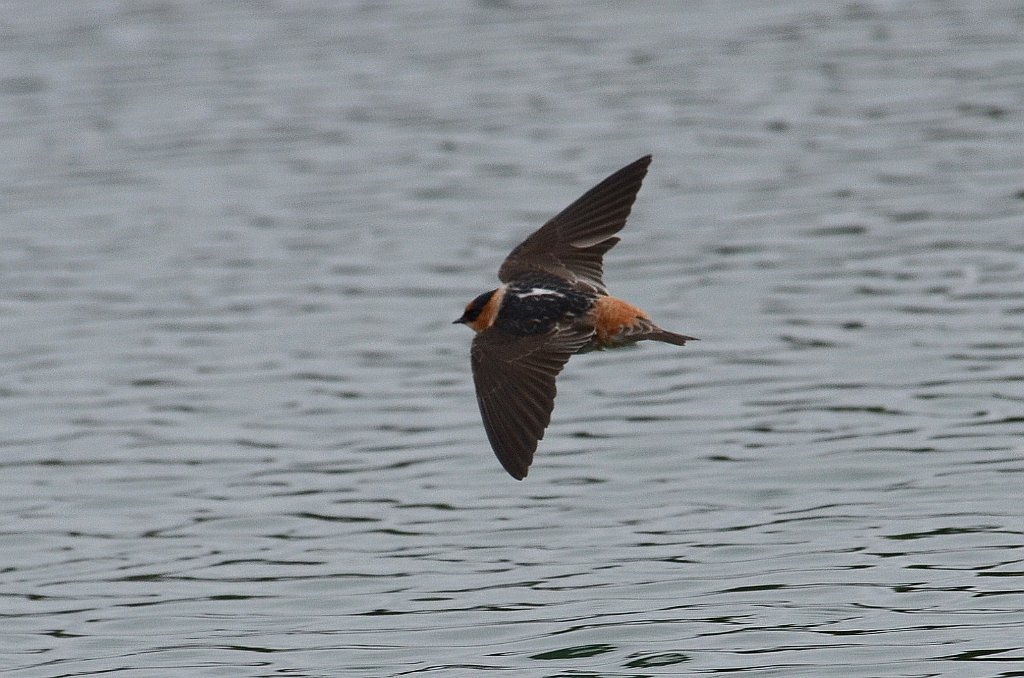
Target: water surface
[(237, 430)]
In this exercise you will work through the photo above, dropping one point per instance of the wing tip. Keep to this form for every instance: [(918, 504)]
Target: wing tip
[(643, 161), (515, 467), (638, 166)]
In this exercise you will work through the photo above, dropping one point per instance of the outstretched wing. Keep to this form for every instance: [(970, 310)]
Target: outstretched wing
[(515, 388), (572, 244)]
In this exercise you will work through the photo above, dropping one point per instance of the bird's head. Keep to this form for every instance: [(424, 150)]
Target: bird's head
[(479, 313)]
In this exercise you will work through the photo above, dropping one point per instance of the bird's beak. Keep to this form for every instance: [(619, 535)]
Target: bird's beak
[(460, 321)]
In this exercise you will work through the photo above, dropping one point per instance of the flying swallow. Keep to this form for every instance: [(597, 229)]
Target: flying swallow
[(552, 304)]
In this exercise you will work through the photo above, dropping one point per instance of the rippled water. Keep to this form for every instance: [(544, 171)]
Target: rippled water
[(238, 431)]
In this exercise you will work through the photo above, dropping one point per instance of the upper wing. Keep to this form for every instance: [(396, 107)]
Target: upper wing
[(572, 244), (515, 388)]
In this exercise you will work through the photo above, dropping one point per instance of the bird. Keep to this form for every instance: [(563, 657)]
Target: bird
[(551, 305)]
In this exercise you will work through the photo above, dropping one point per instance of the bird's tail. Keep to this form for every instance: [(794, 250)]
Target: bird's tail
[(658, 334)]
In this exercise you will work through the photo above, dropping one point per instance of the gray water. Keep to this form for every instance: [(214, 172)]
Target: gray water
[(238, 435)]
